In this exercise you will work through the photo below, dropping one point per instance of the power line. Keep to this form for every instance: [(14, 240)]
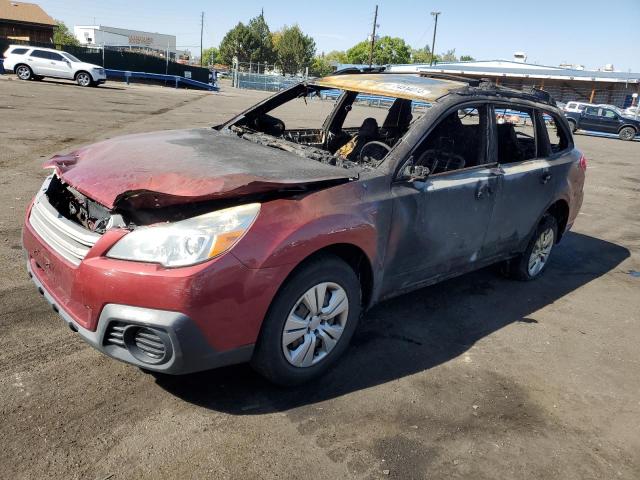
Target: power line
[(201, 32), (433, 42), (373, 37)]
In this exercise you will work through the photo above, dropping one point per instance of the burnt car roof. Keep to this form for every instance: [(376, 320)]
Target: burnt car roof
[(410, 87), (423, 86)]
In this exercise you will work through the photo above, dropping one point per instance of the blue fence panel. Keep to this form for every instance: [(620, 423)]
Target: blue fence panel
[(159, 77)]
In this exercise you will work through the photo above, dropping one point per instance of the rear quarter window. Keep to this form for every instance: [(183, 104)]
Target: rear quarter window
[(18, 51), (556, 135)]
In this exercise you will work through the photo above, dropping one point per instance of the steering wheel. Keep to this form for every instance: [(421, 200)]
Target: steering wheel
[(373, 152)]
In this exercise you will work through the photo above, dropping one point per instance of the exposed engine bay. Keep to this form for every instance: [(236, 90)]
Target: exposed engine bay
[(75, 206)]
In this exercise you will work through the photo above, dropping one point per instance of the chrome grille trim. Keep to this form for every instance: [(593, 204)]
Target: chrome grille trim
[(70, 240), (115, 334)]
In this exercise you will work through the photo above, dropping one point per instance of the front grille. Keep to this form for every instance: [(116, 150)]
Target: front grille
[(149, 343), (115, 334), (67, 238)]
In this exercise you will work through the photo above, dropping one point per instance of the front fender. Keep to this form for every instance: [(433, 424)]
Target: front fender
[(289, 230)]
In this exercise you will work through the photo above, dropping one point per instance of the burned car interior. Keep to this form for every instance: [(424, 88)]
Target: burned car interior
[(337, 141), (368, 117)]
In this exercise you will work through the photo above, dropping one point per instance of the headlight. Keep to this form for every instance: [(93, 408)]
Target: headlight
[(188, 241)]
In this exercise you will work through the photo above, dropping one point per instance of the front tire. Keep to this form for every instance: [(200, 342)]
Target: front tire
[(533, 262), (310, 322), (24, 72), (84, 79), (627, 133)]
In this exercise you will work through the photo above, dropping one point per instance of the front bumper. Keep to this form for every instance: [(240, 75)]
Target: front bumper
[(187, 349)]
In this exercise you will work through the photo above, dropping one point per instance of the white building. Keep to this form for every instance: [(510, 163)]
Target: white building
[(100, 35)]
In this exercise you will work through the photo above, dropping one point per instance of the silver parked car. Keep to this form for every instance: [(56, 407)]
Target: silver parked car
[(33, 63)]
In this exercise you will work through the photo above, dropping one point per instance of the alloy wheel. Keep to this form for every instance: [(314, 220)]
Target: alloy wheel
[(540, 253), (84, 79), (315, 324), (24, 73)]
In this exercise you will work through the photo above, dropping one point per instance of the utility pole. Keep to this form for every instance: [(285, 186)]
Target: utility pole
[(373, 37), (201, 30), (433, 42)]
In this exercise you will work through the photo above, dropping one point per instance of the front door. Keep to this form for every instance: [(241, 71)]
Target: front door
[(609, 120), (438, 225), (59, 66)]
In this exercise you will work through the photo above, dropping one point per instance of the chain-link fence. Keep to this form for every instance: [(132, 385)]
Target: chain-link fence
[(262, 76)]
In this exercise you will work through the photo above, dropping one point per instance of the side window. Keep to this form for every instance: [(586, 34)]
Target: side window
[(40, 54), (558, 140), (591, 111), (609, 114), (367, 106), (19, 51), (55, 56), (457, 141), (515, 134), (303, 112)]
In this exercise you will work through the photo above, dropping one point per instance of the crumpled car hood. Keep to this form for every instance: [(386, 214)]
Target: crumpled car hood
[(173, 167)]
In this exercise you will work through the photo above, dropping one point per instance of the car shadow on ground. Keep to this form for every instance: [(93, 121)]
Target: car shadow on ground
[(412, 333), (71, 83)]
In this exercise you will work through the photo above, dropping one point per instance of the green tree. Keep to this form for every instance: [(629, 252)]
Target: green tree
[(236, 43), (320, 67), (466, 58), (295, 50), (450, 56), (261, 42), (386, 50), (337, 56), (62, 35), (210, 56)]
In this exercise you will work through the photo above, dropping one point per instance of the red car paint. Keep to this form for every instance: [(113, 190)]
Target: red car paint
[(227, 297)]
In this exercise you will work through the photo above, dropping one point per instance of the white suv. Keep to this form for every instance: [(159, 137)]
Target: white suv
[(34, 63)]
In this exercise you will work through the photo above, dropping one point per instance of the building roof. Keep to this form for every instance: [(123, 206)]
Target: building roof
[(410, 87), (506, 69), (24, 12)]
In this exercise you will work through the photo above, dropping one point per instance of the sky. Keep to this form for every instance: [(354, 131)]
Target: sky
[(588, 32)]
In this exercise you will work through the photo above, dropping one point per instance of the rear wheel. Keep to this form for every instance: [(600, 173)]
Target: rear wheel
[(572, 126), (627, 133), (84, 79), (23, 72), (533, 262), (310, 322)]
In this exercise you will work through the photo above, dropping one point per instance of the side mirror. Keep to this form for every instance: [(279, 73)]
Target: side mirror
[(416, 173)]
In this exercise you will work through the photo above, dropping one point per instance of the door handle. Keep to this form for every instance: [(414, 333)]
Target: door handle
[(544, 179), (483, 191)]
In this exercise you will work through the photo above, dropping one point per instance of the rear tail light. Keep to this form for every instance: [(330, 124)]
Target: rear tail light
[(583, 162)]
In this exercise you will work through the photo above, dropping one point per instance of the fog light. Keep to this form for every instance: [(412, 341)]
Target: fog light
[(147, 344)]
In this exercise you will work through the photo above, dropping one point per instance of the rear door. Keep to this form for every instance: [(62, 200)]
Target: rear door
[(532, 173), (39, 62), (590, 119)]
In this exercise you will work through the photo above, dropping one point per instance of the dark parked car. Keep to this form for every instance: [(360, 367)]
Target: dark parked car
[(597, 118), (258, 241)]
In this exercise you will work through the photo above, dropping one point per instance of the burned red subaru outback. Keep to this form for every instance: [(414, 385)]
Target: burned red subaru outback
[(265, 238)]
